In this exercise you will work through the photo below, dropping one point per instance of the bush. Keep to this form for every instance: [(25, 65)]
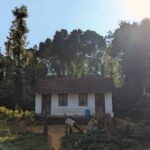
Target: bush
[(23, 141), (27, 142), (98, 141), (10, 114)]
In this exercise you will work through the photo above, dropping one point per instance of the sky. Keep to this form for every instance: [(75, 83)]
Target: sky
[(47, 16)]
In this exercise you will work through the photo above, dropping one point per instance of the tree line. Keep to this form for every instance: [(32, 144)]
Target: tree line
[(122, 55)]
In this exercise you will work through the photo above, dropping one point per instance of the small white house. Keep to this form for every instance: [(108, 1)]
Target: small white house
[(74, 96)]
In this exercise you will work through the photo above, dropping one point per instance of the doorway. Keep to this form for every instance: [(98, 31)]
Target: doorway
[(46, 103), (99, 104)]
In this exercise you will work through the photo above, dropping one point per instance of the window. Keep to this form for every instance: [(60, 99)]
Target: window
[(147, 89), (63, 99), (83, 99)]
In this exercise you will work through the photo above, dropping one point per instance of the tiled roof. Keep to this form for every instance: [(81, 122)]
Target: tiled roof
[(73, 85)]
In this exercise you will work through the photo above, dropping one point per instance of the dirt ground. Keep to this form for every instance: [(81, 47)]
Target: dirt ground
[(55, 132)]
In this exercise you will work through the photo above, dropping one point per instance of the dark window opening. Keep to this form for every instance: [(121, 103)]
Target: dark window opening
[(83, 99), (63, 99), (147, 89)]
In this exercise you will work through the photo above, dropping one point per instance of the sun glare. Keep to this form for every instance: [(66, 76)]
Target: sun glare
[(137, 8)]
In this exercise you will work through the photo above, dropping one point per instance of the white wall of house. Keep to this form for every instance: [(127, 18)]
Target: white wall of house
[(73, 107), (38, 103), (108, 104)]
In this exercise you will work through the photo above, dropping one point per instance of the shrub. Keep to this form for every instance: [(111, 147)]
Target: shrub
[(98, 141), (10, 114)]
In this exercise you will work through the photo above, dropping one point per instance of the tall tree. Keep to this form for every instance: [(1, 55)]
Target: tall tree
[(15, 48), (130, 45)]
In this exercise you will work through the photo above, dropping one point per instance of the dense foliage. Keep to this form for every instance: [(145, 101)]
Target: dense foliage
[(26, 141), (130, 45), (9, 114), (21, 140), (73, 54), (99, 141)]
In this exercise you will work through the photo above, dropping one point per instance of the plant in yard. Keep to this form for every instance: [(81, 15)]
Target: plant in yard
[(10, 114), (98, 141)]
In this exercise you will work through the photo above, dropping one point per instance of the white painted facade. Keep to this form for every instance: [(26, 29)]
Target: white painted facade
[(73, 107)]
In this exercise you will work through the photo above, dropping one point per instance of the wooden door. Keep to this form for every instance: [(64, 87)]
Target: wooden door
[(46, 103), (99, 104)]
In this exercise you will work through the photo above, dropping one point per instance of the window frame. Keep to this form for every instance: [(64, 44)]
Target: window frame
[(62, 99), (147, 89), (82, 99)]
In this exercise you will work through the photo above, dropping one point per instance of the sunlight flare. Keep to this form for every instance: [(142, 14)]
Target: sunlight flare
[(138, 8)]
